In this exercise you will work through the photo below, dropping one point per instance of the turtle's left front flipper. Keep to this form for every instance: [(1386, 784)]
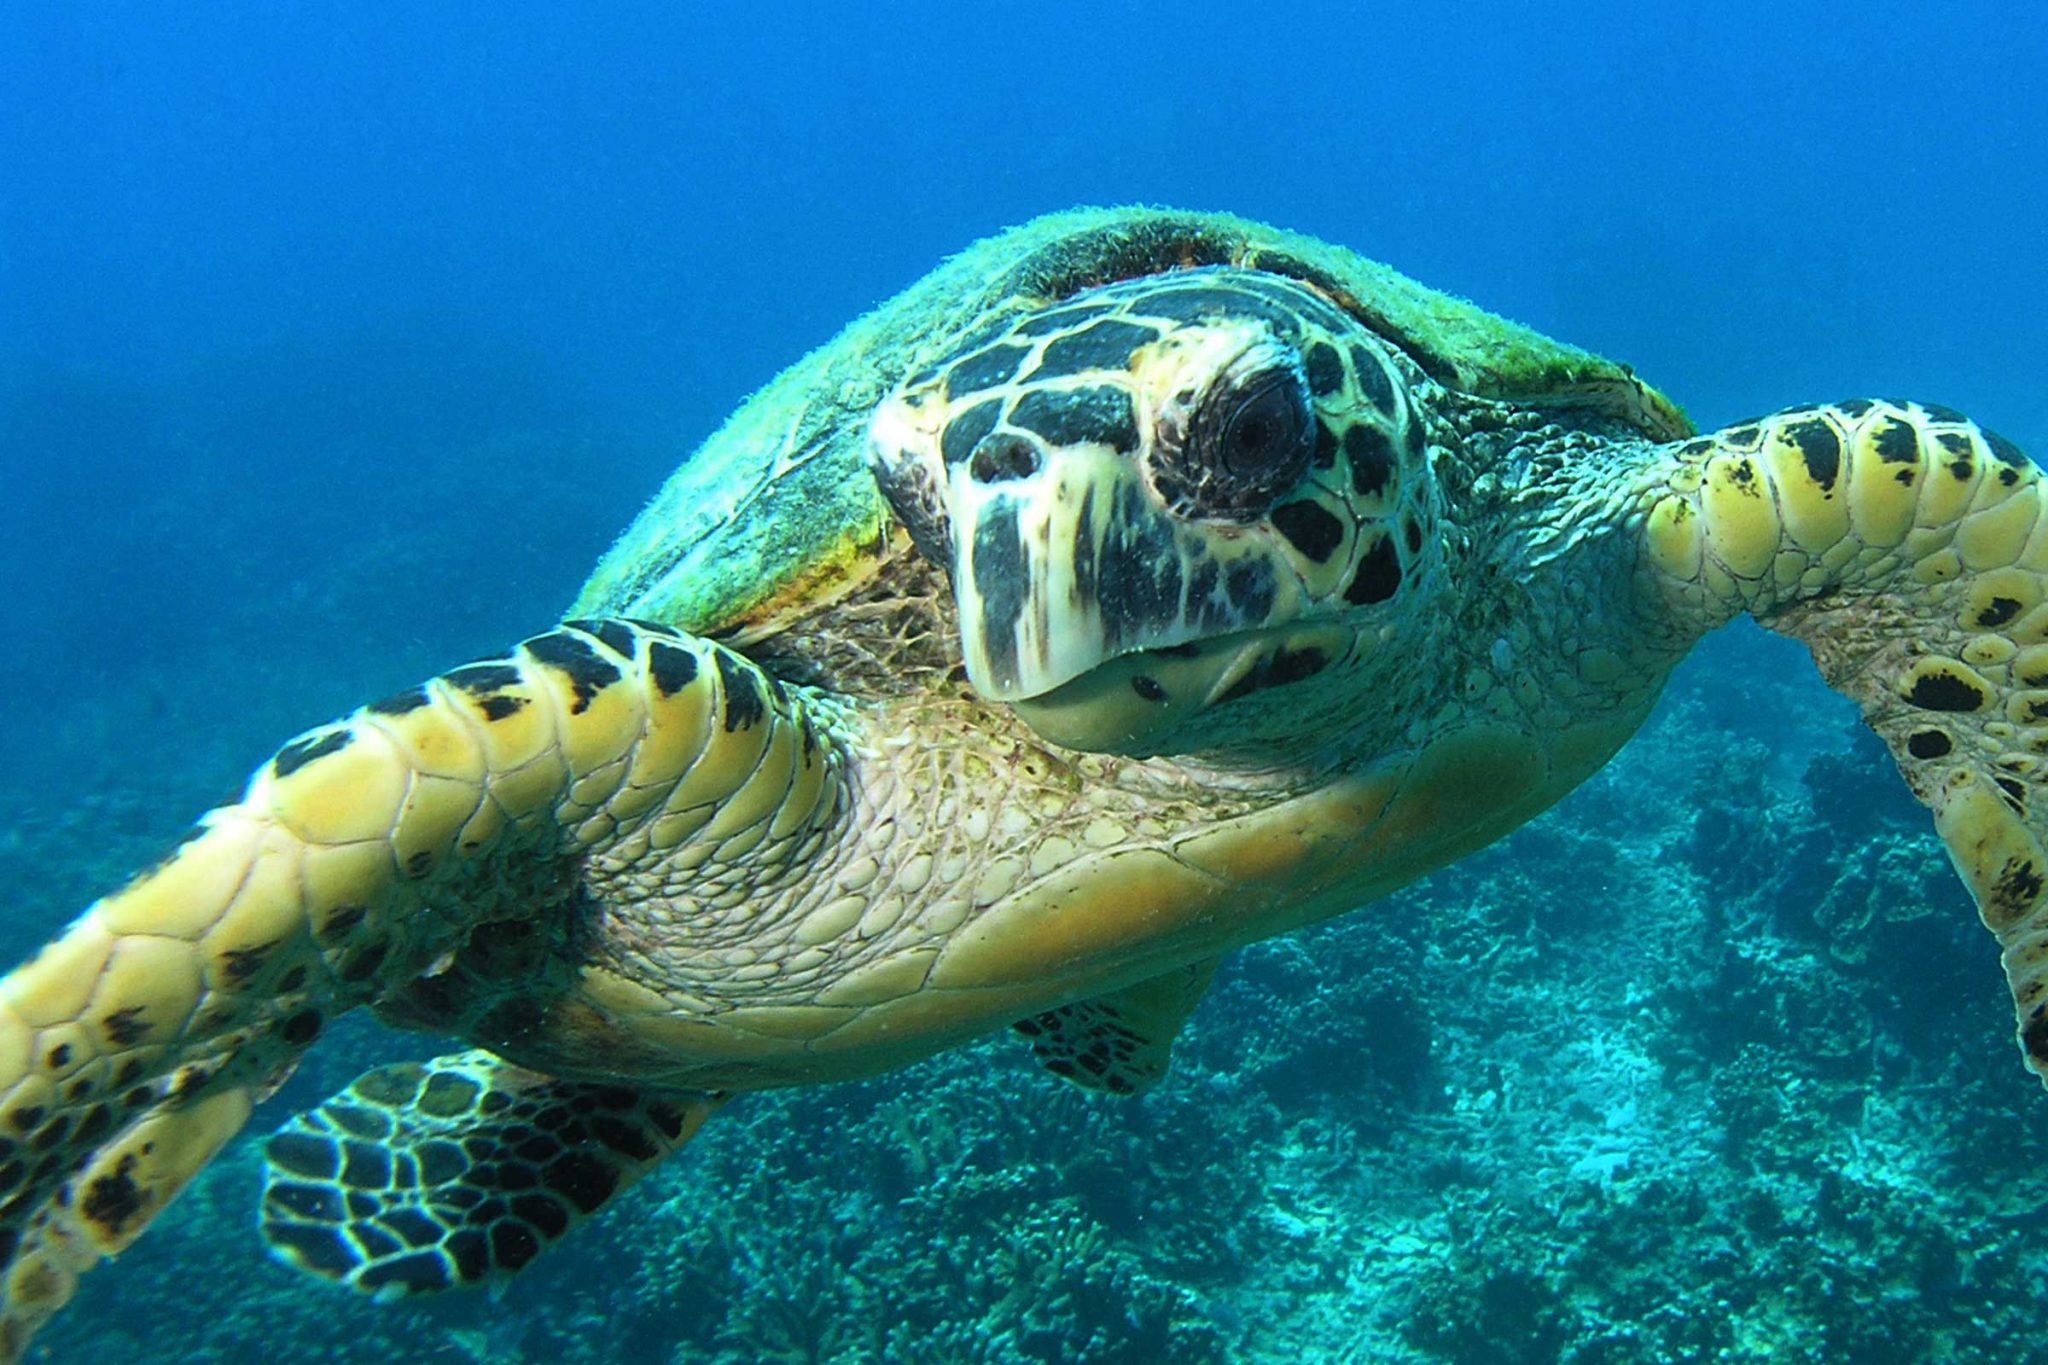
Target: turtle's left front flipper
[(1908, 548), (363, 855), (458, 1171)]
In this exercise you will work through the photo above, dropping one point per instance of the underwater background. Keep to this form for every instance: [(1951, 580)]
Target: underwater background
[(336, 343)]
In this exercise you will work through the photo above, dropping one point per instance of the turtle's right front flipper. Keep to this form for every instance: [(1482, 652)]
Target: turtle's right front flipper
[(362, 854)]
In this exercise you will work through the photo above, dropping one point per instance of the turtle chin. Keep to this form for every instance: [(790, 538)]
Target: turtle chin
[(1144, 703)]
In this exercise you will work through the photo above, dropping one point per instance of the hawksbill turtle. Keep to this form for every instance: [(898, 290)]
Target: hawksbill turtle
[(1138, 585)]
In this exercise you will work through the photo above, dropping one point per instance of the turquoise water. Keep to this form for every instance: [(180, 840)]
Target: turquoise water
[(333, 350)]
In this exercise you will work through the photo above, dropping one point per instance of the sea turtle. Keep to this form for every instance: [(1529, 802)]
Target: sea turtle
[(1138, 585)]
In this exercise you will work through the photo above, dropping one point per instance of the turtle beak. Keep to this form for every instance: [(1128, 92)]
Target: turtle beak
[(1072, 564), (1105, 619), (1134, 703)]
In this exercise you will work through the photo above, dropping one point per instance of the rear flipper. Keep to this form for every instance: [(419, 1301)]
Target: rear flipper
[(1908, 549), (1121, 1042), (457, 1172)]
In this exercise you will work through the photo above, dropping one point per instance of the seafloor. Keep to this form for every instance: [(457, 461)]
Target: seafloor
[(1713, 1062)]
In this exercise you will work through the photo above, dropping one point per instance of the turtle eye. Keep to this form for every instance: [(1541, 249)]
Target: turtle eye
[(1255, 437)]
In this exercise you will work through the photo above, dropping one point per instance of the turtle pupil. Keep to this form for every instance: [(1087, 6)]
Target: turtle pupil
[(1251, 437), (1266, 437)]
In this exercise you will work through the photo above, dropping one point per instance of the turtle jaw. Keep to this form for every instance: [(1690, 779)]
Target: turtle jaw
[(1077, 566), (1135, 704), (1158, 701)]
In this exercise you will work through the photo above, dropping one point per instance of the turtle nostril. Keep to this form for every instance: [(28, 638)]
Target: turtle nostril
[(1001, 458)]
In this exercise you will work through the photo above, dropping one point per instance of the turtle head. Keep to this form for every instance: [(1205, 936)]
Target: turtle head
[(1160, 498)]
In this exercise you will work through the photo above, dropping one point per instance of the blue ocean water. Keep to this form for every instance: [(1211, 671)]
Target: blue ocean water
[(336, 344)]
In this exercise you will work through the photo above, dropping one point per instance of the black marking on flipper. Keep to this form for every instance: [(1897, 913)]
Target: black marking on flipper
[(512, 1246), (97, 1122), (582, 1179), (1120, 1042), (491, 675), (321, 1202), (313, 1247), (421, 1272), (618, 637), (2018, 886), (125, 1027), (113, 1201), (300, 752), (744, 707), (478, 1168), (400, 703), (472, 1255), (1928, 744), (2004, 451), (499, 707), (1896, 442), (1821, 450), (1998, 611), (239, 964), (672, 667), (1943, 691), (486, 683), (653, 627), (298, 1154), (301, 1028), (588, 672)]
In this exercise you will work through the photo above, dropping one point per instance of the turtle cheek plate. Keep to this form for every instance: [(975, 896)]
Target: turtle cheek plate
[(1077, 564)]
